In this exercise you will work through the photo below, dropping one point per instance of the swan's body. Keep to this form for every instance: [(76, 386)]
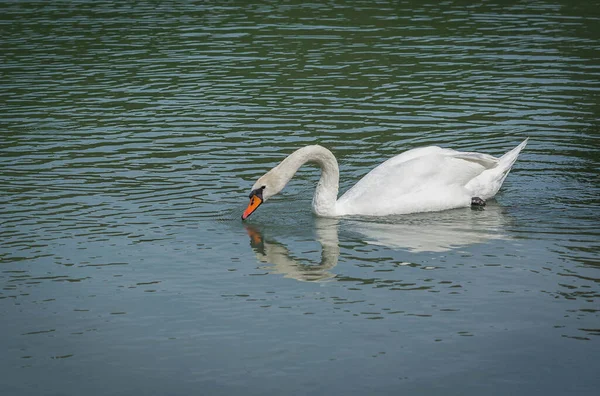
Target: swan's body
[(424, 179)]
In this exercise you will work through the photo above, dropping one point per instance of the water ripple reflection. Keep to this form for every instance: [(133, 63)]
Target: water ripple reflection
[(132, 132)]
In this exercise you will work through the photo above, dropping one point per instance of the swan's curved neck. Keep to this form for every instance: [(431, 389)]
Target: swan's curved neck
[(327, 189)]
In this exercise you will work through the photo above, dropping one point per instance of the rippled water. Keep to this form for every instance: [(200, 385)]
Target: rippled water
[(131, 134)]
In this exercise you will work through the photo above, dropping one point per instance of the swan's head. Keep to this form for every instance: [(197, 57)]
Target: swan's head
[(265, 187)]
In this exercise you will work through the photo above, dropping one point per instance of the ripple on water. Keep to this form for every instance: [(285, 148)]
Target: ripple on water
[(133, 132)]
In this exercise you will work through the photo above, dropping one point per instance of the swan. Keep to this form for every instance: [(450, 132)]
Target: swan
[(425, 179)]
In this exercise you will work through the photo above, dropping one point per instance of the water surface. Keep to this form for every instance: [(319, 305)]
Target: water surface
[(132, 134)]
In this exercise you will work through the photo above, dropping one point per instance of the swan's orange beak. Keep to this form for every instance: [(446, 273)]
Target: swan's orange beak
[(255, 201)]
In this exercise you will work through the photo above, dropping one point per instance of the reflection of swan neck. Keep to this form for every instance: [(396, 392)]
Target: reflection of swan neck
[(327, 188), (327, 235), (279, 256)]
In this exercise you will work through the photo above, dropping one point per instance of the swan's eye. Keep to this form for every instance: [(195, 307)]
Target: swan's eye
[(258, 192)]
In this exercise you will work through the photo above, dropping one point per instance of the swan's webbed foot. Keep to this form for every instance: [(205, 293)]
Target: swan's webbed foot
[(477, 202)]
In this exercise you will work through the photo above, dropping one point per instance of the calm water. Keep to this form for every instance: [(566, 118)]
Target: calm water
[(131, 134)]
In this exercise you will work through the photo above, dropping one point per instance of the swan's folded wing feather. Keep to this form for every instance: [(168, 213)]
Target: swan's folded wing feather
[(413, 154), (485, 160)]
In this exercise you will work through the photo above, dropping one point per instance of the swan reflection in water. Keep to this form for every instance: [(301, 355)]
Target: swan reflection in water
[(281, 261), (418, 233)]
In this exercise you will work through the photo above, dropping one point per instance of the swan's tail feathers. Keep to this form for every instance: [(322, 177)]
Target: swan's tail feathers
[(508, 159), (506, 162), (487, 184)]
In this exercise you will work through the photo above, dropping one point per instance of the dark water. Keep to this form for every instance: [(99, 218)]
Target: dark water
[(131, 134)]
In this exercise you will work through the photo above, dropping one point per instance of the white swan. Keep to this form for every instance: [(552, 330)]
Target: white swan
[(424, 179)]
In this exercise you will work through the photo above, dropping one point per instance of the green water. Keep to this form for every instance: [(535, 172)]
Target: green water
[(131, 134)]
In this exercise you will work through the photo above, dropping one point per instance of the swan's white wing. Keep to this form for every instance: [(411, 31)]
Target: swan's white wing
[(412, 154), (485, 160), (425, 179)]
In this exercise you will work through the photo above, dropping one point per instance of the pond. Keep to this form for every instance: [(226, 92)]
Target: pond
[(132, 134)]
